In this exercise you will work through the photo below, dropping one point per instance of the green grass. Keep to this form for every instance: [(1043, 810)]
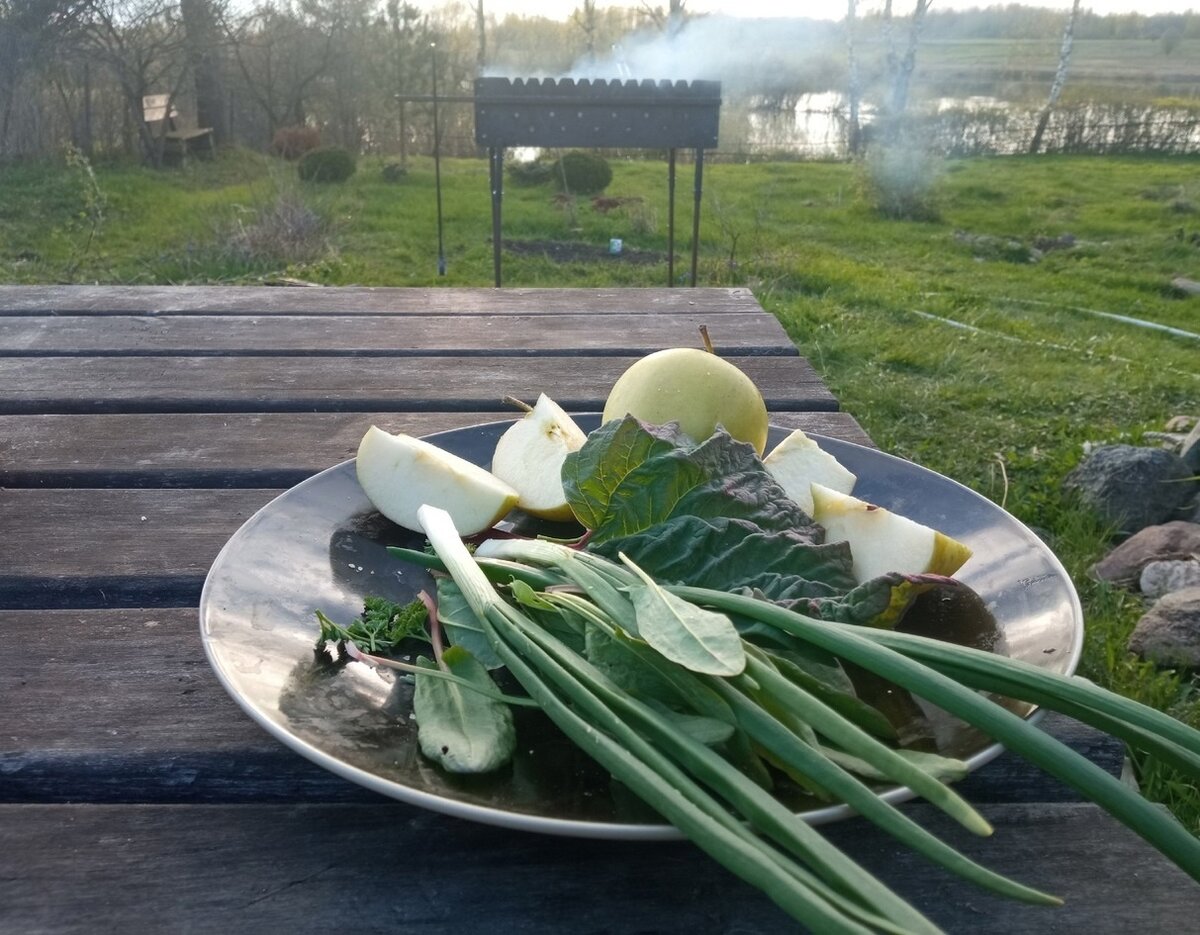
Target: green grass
[(1004, 408)]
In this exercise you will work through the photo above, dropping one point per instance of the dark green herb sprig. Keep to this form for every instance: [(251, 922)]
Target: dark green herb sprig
[(381, 628)]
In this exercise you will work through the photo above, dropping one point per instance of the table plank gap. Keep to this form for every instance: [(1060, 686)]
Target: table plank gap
[(342, 300), (745, 333), (239, 450), (298, 384)]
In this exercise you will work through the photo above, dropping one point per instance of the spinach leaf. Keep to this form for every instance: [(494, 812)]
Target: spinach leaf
[(461, 625), (699, 640), (462, 730)]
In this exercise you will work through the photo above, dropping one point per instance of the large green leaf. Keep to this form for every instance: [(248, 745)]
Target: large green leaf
[(595, 477), (630, 476), (700, 640), (463, 730), (725, 553), (461, 625)]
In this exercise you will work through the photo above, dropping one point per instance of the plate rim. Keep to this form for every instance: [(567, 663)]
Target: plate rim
[(569, 827)]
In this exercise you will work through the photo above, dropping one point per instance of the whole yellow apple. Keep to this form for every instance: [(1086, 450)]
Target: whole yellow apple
[(695, 388)]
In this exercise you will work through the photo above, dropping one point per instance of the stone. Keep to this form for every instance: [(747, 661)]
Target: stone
[(1130, 487), (1181, 423), (1169, 633), (1172, 541), (1189, 449), (1161, 578)]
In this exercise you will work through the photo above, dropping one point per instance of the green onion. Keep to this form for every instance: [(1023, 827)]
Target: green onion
[(1152, 823)]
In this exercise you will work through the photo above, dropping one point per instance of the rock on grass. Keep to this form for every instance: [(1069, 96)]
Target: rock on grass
[(1169, 634), (1174, 541), (1131, 488)]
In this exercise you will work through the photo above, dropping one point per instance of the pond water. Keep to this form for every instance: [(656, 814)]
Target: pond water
[(816, 126)]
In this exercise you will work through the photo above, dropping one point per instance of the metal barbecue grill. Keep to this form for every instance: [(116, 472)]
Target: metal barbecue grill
[(639, 114)]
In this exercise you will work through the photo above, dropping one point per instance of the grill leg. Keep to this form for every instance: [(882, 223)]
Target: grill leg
[(671, 216), (696, 211), (496, 177)]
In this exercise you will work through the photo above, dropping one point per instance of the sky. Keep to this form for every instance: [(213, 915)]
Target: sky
[(828, 9)]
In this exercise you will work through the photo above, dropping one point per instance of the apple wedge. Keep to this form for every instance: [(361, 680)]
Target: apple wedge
[(882, 541), (399, 473), (798, 462), (529, 457)]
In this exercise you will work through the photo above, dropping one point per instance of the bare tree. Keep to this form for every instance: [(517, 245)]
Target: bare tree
[(141, 42), (853, 86), (403, 18), (201, 19), (30, 32), (1060, 78), (670, 20), (481, 35), (900, 68), (585, 18), (281, 54)]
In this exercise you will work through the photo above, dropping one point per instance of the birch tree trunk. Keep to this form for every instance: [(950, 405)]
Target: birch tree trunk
[(1060, 79), (903, 69)]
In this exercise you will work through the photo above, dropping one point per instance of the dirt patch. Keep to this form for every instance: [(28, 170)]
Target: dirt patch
[(575, 252)]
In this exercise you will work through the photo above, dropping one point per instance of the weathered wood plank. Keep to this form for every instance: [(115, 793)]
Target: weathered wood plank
[(276, 449), (353, 300), (330, 384), (214, 869), (121, 706), (95, 548), (746, 333)]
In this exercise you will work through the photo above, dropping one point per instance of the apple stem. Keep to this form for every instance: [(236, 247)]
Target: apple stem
[(708, 345), (517, 403)]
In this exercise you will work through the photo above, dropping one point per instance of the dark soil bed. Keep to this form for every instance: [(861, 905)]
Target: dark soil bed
[(573, 251)]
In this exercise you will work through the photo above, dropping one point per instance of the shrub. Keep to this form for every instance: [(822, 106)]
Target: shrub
[(393, 172), (327, 164), (537, 171), (582, 173), (280, 233), (294, 142)]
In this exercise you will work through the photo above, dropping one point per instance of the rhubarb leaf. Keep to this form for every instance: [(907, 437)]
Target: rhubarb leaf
[(630, 476)]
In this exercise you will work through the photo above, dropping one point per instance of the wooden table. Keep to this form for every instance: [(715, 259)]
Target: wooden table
[(139, 427)]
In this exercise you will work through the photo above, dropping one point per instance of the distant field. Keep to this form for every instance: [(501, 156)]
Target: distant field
[(1138, 67)]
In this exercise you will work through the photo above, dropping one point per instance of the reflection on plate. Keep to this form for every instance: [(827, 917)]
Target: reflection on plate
[(322, 546)]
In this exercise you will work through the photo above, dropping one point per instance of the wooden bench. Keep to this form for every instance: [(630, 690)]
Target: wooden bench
[(161, 117)]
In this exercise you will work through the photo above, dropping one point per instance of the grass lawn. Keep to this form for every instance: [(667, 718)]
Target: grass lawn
[(967, 343)]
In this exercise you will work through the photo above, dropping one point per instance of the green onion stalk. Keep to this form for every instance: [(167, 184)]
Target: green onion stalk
[(714, 802)]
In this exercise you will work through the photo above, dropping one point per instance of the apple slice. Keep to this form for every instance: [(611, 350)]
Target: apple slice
[(797, 462), (882, 541), (399, 473), (529, 457)]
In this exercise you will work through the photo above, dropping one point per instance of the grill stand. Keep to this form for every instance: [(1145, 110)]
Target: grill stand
[(496, 179), (616, 114)]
